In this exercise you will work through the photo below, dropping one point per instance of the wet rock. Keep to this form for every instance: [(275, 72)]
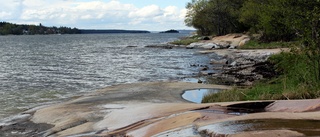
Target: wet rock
[(190, 47), (165, 46), (204, 68), (194, 65), (266, 69), (203, 73), (24, 128), (234, 63), (132, 46), (244, 67)]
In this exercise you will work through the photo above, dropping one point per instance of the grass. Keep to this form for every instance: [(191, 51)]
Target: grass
[(254, 44), (264, 91), (185, 41), (298, 80)]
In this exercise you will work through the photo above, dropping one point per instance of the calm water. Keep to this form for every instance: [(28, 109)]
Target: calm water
[(197, 94), (35, 70)]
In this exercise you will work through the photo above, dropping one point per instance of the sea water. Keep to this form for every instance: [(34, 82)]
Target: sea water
[(40, 69)]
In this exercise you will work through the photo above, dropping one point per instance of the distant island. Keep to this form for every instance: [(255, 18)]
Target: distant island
[(170, 31), (92, 31), (7, 28)]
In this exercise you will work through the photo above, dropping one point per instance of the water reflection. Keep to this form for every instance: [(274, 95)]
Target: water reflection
[(306, 127), (197, 94)]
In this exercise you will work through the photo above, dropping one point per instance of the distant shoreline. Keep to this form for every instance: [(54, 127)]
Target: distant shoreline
[(94, 31)]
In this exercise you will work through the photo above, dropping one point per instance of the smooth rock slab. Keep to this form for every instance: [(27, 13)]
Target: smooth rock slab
[(152, 109)]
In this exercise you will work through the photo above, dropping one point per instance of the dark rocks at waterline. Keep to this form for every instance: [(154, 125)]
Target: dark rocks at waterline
[(241, 75), (24, 128), (207, 73), (164, 46), (132, 46), (266, 69), (242, 69), (204, 68)]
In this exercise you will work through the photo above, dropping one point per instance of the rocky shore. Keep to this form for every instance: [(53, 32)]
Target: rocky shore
[(234, 66), (158, 109), (240, 67)]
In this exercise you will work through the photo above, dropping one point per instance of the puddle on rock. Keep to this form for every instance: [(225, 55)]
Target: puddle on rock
[(306, 127), (197, 94)]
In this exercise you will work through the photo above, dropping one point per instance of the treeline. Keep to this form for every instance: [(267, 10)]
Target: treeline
[(275, 20), (15, 29)]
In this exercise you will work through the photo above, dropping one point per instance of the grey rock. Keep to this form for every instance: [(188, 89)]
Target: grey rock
[(210, 46), (222, 61)]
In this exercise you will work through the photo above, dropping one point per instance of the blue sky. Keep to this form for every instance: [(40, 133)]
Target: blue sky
[(154, 15)]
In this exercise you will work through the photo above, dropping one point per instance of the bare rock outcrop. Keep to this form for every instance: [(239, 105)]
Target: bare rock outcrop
[(230, 41), (157, 109)]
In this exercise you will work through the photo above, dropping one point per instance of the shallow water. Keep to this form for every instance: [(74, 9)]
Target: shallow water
[(196, 95), (307, 127), (39, 69)]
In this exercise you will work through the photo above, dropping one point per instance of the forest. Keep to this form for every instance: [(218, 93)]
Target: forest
[(7, 28), (276, 20), (285, 21)]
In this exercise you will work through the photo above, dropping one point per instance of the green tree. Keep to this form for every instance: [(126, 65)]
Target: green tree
[(15, 29), (286, 20), (270, 17), (305, 20), (216, 17), (7, 29)]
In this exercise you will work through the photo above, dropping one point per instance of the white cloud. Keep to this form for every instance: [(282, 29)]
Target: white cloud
[(4, 14), (145, 12), (92, 14)]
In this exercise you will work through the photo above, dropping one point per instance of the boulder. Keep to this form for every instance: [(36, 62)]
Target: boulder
[(244, 41), (232, 47), (193, 45), (234, 63), (224, 45), (222, 61), (190, 47), (209, 46), (203, 73)]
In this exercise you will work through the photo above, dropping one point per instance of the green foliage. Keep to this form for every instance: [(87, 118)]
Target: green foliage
[(14, 29), (254, 44), (267, 16), (224, 96), (297, 68), (276, 20), (297, 81), (214, 17), (280, 23)]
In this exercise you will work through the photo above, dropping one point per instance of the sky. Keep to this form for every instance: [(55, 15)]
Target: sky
[(153, 15)]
